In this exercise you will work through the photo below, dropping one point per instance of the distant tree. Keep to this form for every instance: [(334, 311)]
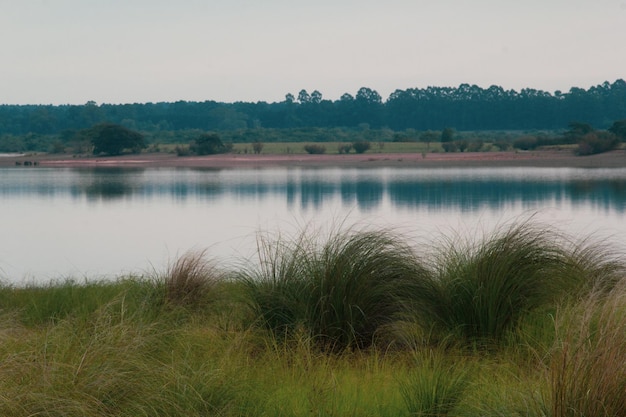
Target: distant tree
[(257, 146), (112, 139), (315, 148), (344, 148), (428, 137), (449, 146), (578, 129), (447, 135), (316, 97), (597, 142), (619, 129), (502, 145), (526, 143), (304, 97), (208, 144), (361, 146)]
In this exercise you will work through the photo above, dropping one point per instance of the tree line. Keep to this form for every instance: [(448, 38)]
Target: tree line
[(465, 108)]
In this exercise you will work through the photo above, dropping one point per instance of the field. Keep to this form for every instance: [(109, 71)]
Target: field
[(526, 322)]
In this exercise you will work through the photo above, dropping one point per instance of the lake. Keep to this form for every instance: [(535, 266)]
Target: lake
[(94, 223)]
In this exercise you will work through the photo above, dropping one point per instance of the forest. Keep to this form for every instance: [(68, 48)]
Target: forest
[(466, 107)]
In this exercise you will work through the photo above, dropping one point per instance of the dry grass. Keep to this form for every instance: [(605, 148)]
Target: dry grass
[(588, 370), (191, 280)]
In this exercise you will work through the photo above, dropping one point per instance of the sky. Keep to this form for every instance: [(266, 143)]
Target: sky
[(139, 51)]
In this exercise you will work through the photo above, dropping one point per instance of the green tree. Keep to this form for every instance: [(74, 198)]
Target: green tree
[(619, 129), (361, 146), (208, 144), (578, 129), (112, 139), (257, 146), (447, 135), (597, 142), (428, 137)]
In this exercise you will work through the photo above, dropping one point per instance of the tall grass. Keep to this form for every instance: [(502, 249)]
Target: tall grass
[(133, 347), (436, 386), (481, 290), (343, 292), (588, 369), (57, 300), (191, 280)]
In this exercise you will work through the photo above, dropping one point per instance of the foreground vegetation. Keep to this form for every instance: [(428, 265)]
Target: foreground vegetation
[(521, 322)]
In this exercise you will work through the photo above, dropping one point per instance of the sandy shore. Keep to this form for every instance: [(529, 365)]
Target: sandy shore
[(474, 159)]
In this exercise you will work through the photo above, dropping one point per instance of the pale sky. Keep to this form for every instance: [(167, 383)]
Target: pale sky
[(137, 51)]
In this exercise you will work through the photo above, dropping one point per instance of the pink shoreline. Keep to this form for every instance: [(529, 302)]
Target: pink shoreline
[(473, 159)]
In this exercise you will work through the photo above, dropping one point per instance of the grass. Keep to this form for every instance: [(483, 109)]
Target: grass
[(588, 367), (481, 290), (343, 292), (321, 327)]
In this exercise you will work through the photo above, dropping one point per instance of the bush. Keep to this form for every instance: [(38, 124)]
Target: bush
[(597, 142), (449, 146), (344, 148), (112, 139), (315, 149), (361, 146), (526, 143), (257, 147), (208, 144), (502, 145)]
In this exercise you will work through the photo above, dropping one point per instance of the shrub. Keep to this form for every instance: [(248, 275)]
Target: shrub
[(361, 146), (182, 150), (475, 145), (526, 143), (208, 144), (344, 148), (257, 147), (315, 149), (449, 146), (502, 145), (597, 142)]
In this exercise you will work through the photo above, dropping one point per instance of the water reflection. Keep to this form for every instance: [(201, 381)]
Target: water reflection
[(462, 189), (89, 222)]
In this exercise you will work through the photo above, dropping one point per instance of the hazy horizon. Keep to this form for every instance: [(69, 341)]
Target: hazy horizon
[(71, 51)]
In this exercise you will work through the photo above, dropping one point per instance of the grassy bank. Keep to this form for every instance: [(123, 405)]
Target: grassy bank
[(524, 322)]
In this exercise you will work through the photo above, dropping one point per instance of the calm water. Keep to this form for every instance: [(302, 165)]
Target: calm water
[(60, 223)]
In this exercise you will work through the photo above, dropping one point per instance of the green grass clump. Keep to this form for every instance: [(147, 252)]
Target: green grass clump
[(191, 281), (54, 301), (481, 291), (343, 292), (436, 386)]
